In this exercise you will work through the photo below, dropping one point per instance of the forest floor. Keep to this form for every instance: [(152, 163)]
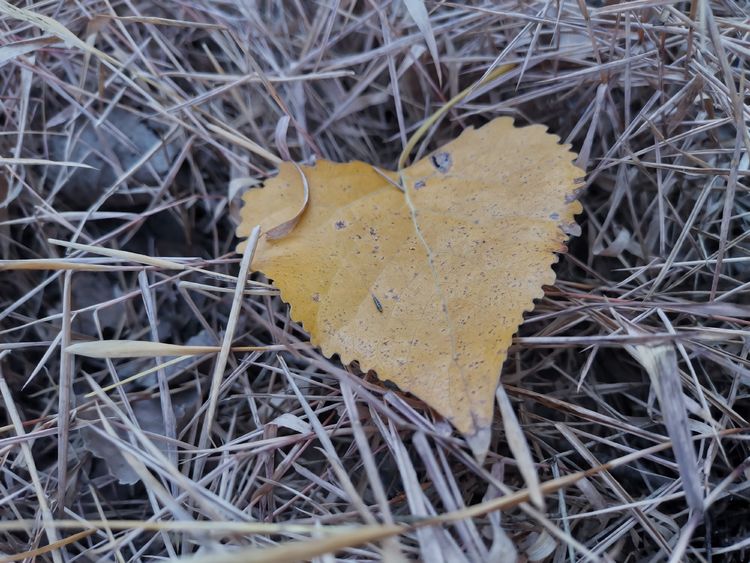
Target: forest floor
[(129, 131)]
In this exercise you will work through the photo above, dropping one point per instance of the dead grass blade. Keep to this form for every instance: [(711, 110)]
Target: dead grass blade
[(130, 130)]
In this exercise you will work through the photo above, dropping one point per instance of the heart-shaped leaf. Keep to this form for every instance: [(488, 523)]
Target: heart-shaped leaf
[(423, 275)]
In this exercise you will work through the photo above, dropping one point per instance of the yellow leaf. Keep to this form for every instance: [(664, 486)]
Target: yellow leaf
[(423, 275)]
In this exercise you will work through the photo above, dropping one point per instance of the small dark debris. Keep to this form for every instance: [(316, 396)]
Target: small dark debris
[(340, 224), (419, 184), (442, 161), (378, 304)]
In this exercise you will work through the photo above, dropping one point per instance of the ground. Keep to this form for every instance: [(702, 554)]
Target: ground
[(136, 126)]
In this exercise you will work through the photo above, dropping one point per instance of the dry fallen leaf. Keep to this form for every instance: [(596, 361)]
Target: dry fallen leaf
[(423, 276)]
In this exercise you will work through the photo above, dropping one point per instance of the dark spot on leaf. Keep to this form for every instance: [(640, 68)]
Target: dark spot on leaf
[(340, 224), (442, 161), (316, 297)]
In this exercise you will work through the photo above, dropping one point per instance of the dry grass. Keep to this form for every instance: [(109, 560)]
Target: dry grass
[(639, 354)]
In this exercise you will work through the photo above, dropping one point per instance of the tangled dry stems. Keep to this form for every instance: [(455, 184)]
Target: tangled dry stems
[(180, 106)]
